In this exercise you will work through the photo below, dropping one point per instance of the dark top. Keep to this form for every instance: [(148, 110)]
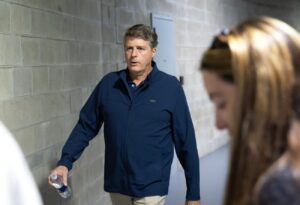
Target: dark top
[(141, 128), (280, 187)]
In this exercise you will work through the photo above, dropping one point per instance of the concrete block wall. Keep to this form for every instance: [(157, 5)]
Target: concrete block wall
[(53, 53), (50, 60)]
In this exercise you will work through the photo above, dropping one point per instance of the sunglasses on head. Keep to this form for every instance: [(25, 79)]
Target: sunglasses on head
[(220, 40)]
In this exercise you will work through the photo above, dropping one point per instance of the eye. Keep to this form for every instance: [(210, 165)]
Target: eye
[(141, 48), (221, 105)]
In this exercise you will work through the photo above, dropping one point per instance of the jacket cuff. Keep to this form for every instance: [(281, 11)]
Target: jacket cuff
[(65, 163)]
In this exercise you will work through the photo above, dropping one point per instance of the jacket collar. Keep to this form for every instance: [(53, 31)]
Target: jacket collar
[(151, 76)]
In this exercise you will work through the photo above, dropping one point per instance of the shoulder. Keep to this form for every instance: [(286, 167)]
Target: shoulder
[(279, 186), (167, 81), (168, 77), (109, 79), (112, 75)]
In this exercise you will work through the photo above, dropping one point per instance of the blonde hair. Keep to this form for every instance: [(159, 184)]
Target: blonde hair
[(262, 68)]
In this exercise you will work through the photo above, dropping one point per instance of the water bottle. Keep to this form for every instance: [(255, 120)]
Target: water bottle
[(57, 182)]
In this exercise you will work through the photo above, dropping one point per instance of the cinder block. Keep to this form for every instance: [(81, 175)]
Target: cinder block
[(40, 174), (67, 6), (89, 9), (199, 4), (10, 50), (22, 78), (61, 52), (67, 31), (40, 78), (84, 76), (42, 157), (43, 4), (86, 94), (196, 15), (109, 67), (39, 23), (108, 33), (74, 52), (109, 2), (46, 24), (35, 159), (166, 7), (214, 6), (25, 111), (70, 120), (30, 51), (76, 100), (229, 20), (21, 112), (54, 26), (28, 141), (47, 51), (6, 83), (93, 74), (95, 171), (141, 17), (137, 6), (124, 16), (89, 53), (20, 19), (93, 192), (121, 3), (87, 30), (120, 32), (106, 54), (56, 78), (77, 179), (107, 199), (4, 17), (14, 113), (73, 77), (51, 131), (55, 105), (108, 14)]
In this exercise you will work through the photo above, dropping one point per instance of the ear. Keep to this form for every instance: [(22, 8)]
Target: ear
[(154, 52)]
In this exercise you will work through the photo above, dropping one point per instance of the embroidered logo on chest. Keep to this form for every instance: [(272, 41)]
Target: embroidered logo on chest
[(152, 100)]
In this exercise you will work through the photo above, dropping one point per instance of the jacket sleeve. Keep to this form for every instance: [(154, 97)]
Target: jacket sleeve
[(87, 127), (185, 145)]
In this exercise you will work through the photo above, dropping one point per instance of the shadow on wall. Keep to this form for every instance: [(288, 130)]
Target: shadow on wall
[(49, 195)]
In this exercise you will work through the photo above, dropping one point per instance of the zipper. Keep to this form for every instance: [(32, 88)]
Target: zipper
[(124, 140)]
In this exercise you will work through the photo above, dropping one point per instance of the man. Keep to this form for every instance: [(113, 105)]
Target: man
[(145, 114)]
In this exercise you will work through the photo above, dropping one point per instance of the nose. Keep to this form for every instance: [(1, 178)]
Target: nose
[(221, 122), (134, 52)]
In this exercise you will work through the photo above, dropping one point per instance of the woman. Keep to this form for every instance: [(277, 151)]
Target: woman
[(249, 73)]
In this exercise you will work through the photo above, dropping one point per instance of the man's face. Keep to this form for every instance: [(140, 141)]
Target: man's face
[(138, 55)]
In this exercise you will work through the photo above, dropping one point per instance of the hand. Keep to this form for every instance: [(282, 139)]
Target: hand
[(192, 203), (62, 171)]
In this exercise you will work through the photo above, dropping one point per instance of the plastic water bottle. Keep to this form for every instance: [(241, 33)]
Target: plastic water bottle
[(57, 182)]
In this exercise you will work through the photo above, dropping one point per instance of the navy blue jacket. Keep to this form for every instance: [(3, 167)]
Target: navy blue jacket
[(140, 132)]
